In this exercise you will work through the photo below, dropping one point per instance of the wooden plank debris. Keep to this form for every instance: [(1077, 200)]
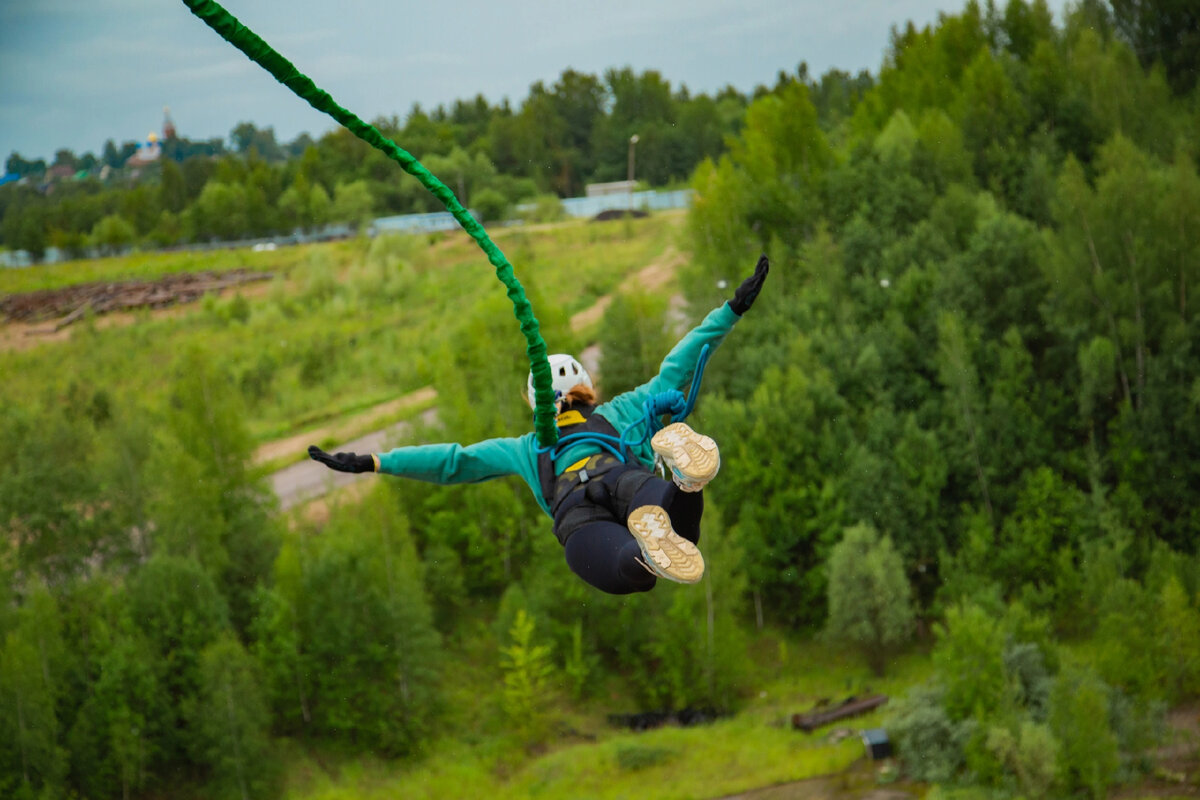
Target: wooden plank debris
[(72, 302), (824, 714)]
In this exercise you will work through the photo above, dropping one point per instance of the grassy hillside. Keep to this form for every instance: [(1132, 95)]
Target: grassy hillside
[(343, 327)]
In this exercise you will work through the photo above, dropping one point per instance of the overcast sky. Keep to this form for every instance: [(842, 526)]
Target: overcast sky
[(74, 73)]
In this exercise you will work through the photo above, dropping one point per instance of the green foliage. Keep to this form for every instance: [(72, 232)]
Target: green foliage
[(527, 670), (349, 633), (44, 498), (929, 743), (232, 722), (634, 339), (1030, 754), (491, 204), (775, 448), (177, 608), (546, 208), (112, 234), (1148, 643), (32, 758), (978, 339), (1079, 720), (631, 758), (970, 659), (208, 506), (870, 601)]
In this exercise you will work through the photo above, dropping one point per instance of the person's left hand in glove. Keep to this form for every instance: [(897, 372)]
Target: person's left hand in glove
[(745, 295), (344, 462)]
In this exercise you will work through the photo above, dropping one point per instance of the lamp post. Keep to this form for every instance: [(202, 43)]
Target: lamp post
[(633, 140)]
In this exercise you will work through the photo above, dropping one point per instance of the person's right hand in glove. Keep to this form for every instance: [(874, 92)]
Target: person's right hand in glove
[(344, 462)]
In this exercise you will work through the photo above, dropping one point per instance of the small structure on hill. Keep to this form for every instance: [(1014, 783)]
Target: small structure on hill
[(877, 743)]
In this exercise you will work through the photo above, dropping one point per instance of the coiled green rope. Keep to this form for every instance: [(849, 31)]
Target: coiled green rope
[(261, 53)]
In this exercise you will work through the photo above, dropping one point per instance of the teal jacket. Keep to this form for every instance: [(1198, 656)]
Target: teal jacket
[(495, 458)]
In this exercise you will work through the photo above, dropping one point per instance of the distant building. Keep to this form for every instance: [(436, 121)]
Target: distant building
[(147, 152), (613, 187), (60, 172)]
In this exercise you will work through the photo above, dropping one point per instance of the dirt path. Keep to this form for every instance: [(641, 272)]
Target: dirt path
[(654, 275), (859, 782), (306, 480), (281, 448)]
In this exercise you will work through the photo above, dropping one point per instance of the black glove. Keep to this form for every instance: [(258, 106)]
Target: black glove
[(745, 294), (342, 462)]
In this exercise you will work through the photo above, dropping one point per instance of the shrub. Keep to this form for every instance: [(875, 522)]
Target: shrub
[(546, 208), (1030, 754), (870, 601), (490, 204), (1080, 722), (635, 756), (930, 745)]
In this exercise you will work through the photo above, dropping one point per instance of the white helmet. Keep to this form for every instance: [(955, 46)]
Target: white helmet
[(566, 373)]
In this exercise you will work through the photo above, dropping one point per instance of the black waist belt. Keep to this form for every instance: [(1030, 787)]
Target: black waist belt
[(575, 476)]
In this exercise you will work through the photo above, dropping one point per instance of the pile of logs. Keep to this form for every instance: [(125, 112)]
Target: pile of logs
[(70, 303)]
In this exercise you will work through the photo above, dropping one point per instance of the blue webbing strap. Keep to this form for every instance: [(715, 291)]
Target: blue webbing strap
[(669, 402)]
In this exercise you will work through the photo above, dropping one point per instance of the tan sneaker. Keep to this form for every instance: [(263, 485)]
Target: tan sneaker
[(692, 458), (667, 554)]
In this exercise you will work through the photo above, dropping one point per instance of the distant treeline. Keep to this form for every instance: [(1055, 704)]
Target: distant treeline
[(561, 137)]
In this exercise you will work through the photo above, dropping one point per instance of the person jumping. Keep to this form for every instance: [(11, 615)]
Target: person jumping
[(621, 526)]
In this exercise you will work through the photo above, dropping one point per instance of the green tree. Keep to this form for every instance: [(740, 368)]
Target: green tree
[(1177, 628), (779, 448), (527, 668), (959, 376), (172, 190), (177, 609), (232, 722), (634, 339), (491, 204), (349, 643), (31, 664), (870, 601), (1030, 754), (352, 203), (112, 234), (205, 502), (117, 734), (50, 504), (1165, 32), (304, 205), (1079, 720), (221, 211), (969, 658)]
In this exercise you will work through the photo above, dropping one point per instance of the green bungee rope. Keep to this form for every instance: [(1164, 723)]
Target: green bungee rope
[(261, 53)]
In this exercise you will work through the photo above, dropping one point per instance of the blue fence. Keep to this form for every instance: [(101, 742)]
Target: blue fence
[(415, 223)]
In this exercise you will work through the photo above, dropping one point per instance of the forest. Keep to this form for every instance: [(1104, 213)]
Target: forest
[(959, 433)]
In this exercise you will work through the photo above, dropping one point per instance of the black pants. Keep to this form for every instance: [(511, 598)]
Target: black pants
[(602, 551)]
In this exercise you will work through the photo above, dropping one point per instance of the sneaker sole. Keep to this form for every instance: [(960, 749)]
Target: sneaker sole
[(667, 553), (693, 456)]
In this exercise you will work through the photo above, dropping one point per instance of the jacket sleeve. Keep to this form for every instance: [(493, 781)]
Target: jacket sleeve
[(455, 463), (677, 368)]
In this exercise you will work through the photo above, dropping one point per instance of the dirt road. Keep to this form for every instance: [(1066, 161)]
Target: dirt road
[(306, 480)]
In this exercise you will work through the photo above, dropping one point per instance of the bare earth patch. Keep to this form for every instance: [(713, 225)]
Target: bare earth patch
[(21, 335), (343, 428), (651, 277)]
